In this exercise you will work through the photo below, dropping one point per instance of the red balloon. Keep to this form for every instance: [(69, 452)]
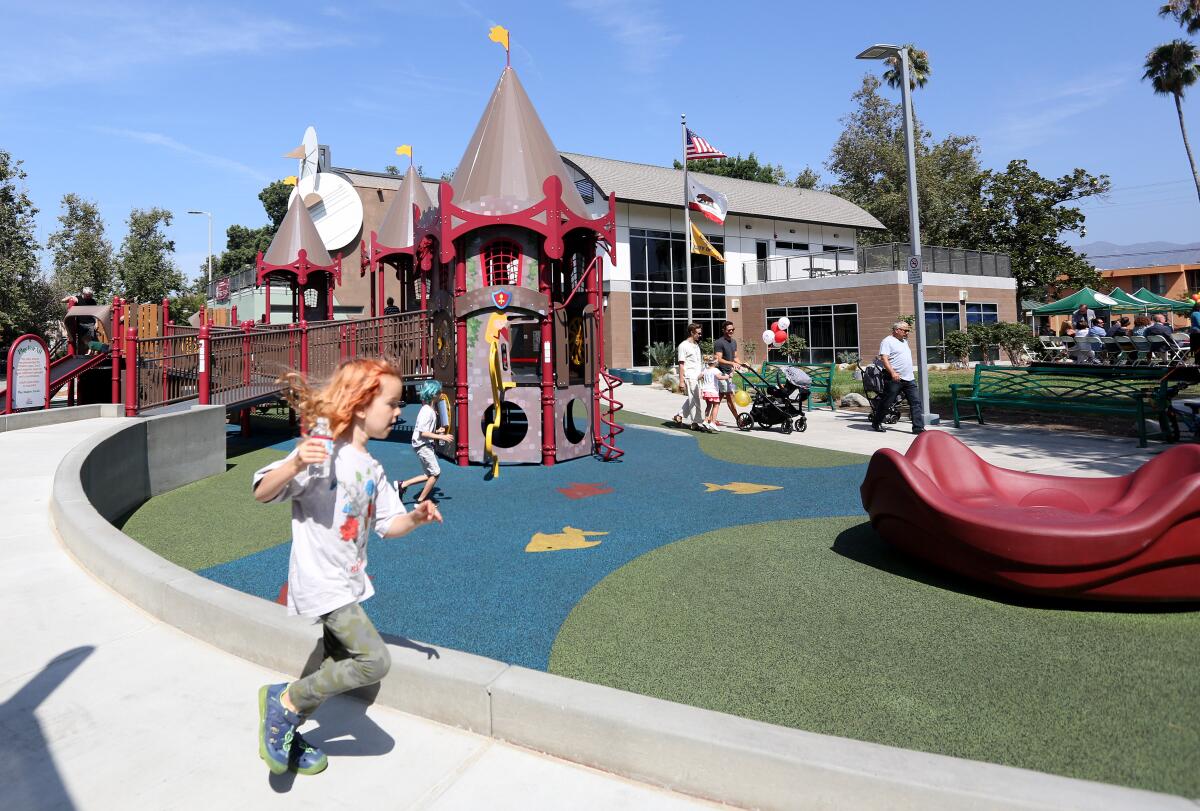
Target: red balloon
[(780, 336), (774, 326)]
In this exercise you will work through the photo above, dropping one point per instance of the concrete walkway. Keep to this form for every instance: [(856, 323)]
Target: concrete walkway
[(1066, 453), (105, 707)]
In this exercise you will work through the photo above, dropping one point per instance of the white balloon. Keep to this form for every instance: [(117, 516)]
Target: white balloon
[(768, 337), (784, 323)]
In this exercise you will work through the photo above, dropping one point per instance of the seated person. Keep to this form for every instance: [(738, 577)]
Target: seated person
[(1139, 325), (1160, 327), (1097, 328), (1120, 328)]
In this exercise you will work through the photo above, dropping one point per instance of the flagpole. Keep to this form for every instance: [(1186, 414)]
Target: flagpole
[(687, 221)]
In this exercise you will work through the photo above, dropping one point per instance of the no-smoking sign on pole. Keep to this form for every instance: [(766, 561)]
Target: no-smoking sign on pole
[(914, 270)]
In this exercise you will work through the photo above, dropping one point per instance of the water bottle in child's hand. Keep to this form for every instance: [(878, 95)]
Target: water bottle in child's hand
[(323, 434)]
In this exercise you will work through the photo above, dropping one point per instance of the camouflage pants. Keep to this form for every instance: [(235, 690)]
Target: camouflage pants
[(355, 656)]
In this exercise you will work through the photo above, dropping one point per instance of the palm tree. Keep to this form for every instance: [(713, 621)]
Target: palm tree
[(1172, 69), (918, 68), (1185, 12)]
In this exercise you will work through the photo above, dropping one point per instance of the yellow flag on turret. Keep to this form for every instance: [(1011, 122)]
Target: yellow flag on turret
[(499, 34), (290, 180), (701, 245), (404, 149)]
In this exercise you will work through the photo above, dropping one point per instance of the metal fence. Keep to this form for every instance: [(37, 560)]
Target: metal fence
[(892, 256), (167, 370)]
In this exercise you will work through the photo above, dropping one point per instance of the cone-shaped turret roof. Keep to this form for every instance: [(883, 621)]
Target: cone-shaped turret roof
[(295, 232), (509, 157), (396, 231)]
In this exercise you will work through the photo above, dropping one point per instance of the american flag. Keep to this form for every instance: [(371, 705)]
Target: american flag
[(699, 149)]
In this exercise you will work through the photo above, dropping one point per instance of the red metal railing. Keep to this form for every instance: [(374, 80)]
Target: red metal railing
[(228, 366)]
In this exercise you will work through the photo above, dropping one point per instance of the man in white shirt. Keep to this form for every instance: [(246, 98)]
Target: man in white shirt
[(690, 366), (895, 356)]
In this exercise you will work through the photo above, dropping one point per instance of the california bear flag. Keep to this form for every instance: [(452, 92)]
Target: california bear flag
[(710, 203)]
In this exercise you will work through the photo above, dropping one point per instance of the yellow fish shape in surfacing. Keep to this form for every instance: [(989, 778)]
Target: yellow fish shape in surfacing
[(569, 538), (740, 488)]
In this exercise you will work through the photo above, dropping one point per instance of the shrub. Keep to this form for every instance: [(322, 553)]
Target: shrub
[(958, 347), (792, 347), (1014, 339), (848, 358), (706, 346), (983, 336), (661, 355)]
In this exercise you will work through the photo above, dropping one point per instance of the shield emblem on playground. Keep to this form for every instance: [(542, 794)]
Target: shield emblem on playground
[(501, 298)]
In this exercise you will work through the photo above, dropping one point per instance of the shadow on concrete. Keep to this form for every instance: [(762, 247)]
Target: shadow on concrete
[(28, 778), (862, 544)]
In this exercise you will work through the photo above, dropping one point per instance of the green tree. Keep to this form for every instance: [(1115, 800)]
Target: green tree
[(1185, 12), (26, 301), (242, 245), (918, 68), (1171, 70), (809, 178), (870, 168), (82, 256), (793, 347), (144, 263), (275, 201), (1023, 214), (747, 168)]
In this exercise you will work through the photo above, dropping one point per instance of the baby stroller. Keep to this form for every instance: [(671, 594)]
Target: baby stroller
[(874, 380), (776, 403)]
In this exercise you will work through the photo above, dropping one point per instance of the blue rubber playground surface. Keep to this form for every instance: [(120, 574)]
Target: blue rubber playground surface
[(476, 583)]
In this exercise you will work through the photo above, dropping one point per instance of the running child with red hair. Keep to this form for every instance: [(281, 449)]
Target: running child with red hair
[(332, 517)]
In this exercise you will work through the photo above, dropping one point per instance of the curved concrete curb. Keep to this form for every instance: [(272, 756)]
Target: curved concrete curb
[(687, 749)]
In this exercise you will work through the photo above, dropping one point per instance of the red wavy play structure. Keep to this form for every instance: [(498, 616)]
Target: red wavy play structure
[(1133, 538)]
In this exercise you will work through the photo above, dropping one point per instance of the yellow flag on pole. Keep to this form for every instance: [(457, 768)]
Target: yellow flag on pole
[(404, 149), (701, 245), (290, 180), (499, 33)]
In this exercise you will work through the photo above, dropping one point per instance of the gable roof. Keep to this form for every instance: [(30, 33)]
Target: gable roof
[(643, 183), (509, 157)]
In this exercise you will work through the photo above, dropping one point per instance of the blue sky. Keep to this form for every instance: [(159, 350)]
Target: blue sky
[(189, 106)]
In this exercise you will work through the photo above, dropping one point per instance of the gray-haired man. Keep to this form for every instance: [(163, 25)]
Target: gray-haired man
[(895, 356)]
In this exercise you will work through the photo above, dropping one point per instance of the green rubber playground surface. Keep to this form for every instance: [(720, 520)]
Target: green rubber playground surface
[(739, 574)]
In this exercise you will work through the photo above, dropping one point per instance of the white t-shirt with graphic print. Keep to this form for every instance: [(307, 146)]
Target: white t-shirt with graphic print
[(331, 521)]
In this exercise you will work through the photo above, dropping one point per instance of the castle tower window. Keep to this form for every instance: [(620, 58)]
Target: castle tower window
[(502, 263)]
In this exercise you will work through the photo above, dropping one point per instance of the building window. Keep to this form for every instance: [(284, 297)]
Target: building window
[(836, 249), (940, 318), (658, 297), (827, 329), (790, 246), (1193, 280), (983, 314), (501, 263), (1156, 283)]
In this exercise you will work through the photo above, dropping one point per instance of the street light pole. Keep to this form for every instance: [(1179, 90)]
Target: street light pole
[(209, 215), (914, 219)]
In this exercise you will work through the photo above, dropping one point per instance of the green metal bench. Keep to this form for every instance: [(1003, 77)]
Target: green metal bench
[(821, 374), (1059, 390)]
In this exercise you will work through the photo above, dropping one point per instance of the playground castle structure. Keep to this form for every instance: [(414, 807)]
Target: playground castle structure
[(501, 293)]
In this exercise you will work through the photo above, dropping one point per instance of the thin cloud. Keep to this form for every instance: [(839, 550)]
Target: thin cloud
[(643, 37), (169, 143), (1043, 114), (95, 42)]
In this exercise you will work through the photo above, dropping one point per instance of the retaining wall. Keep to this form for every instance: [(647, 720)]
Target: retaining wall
[(695, 751)]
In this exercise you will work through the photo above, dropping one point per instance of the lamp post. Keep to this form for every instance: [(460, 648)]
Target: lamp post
[(876, 52), (209, 215)]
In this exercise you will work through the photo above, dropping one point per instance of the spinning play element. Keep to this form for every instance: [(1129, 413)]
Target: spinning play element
[(569, 538), (1134, 537)]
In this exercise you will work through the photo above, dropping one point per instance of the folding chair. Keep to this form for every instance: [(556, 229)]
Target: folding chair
[(1165, 349), (1144, 351), (1129, 353), (1112, 352)]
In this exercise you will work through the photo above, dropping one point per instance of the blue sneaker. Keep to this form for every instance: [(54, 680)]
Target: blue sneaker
[(308, 759), (276, 728)]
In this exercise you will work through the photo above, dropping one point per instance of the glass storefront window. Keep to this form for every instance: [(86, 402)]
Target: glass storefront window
[(828, 330)]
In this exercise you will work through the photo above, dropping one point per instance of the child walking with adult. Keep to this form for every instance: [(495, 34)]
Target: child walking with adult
[(425, 432), (710, 389), (337, 498)]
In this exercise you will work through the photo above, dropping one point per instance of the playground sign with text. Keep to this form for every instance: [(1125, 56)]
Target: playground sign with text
[(28, 374)]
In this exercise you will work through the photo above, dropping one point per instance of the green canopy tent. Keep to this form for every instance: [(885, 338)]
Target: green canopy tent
[(1132, 304), (1163, 302), (1068, 305)]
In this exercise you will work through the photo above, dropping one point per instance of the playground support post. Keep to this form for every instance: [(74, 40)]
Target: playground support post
[(115, 350), (595, 300), (545, 269), (131, 389), (204, 376), (462, 420)]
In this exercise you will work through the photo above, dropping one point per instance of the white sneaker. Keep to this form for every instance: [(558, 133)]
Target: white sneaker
[(713, 429)]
